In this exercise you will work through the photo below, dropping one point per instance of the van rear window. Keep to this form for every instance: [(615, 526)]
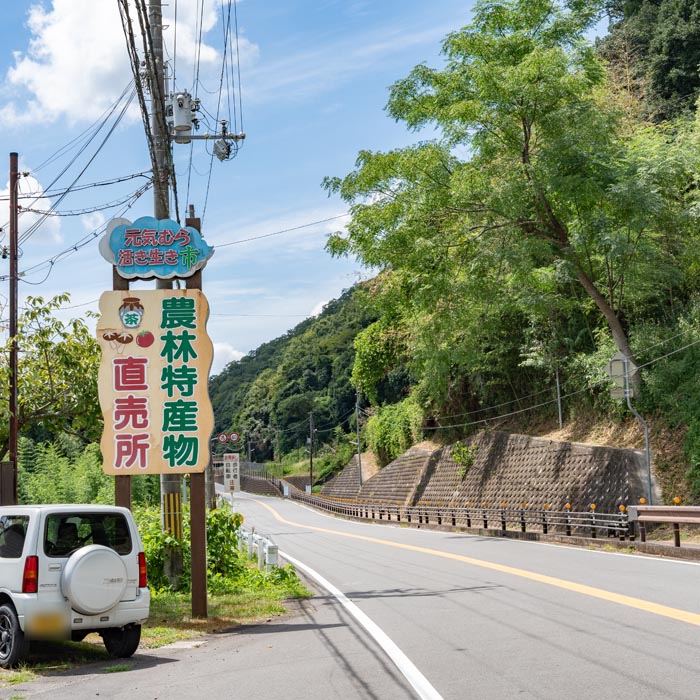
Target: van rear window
[(66, 532), (13, 529)]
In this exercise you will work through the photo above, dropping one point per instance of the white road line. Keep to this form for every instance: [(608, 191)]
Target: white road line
[(419, 682)]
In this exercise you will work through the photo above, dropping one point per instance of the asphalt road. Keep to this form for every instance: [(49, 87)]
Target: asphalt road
[(462, 617)]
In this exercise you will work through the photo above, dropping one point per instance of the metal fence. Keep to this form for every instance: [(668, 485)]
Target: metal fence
[(523, 519)]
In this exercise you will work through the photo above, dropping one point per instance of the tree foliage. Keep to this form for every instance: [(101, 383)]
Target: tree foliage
[(538, 204), (655, 45), (57, 375)]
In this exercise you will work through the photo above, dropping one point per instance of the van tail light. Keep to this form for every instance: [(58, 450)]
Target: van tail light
[(143, 576), (30, 579)]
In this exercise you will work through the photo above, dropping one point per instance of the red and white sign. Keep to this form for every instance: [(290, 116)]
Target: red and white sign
[(232, 471)]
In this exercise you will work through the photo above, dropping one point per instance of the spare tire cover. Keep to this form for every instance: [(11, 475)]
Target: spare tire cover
[(94, 579)]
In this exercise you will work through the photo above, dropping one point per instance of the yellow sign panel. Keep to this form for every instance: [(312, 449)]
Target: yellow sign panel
[(156, 357)]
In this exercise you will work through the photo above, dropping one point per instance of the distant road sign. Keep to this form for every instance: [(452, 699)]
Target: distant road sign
[(222, 438), (234, 437)]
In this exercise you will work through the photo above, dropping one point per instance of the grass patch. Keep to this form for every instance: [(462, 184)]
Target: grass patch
[(117, 669)]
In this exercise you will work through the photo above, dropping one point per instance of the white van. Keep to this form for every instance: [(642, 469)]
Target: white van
[(67, 570)]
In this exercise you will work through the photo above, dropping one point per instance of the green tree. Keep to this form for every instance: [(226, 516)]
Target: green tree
[(57, 375), (535, 184), (656, 45)]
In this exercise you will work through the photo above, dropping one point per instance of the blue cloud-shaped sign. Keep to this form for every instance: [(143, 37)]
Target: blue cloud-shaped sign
[(151, 247)]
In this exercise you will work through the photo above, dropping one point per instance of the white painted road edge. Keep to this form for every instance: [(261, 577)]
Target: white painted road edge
[(419, 682)]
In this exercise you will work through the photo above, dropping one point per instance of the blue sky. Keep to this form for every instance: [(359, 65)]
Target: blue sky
[(314, 77)]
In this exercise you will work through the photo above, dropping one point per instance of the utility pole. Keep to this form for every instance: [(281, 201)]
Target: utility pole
[(9, 483), (171, 499), (311, 452), (357, 433)]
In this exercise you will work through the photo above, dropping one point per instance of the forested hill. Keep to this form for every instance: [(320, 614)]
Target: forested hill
[(267, 396)]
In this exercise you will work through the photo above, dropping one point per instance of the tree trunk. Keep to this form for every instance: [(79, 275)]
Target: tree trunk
[(618, 333)]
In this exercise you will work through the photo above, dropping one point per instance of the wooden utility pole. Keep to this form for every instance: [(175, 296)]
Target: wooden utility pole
[(359, 447), (311, 452), (198, 514), (9, 482)]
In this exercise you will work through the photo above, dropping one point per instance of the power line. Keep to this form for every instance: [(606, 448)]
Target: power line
[(238, 61), (47, 194), (286, 230), (32, 229), (86, 210), (83, 241)]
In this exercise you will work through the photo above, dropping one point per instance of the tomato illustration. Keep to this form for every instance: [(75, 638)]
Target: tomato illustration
[(145, 339)]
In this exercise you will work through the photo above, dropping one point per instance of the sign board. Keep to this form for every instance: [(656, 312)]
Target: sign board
[(152, 381), (225, 437), (615, 369), (151, 247), (232, 471)]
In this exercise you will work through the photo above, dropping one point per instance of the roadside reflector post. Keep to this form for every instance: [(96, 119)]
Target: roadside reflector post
[(623, 529), (676, 526), (271, 557)]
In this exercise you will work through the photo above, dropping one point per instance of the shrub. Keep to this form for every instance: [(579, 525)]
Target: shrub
[(393, 429), (223, 563)]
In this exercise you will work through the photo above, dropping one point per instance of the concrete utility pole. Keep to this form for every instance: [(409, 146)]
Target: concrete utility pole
[(170, 495)]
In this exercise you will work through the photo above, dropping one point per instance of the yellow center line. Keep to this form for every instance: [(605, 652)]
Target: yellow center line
[(628, 601)]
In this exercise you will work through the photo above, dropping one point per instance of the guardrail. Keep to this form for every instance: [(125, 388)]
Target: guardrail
[(676, 515), (523, 518)]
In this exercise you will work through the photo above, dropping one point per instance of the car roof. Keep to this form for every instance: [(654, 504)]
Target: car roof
[(63, 508)]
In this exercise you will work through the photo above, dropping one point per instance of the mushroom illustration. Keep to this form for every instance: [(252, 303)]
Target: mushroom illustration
[(111, 336), (123, 339)]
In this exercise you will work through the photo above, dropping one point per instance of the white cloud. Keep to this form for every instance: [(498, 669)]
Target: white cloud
[(318, 308), (315, 70), (53, 77), (223, 354), (298, 237), (76, 63), (50, 230)]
